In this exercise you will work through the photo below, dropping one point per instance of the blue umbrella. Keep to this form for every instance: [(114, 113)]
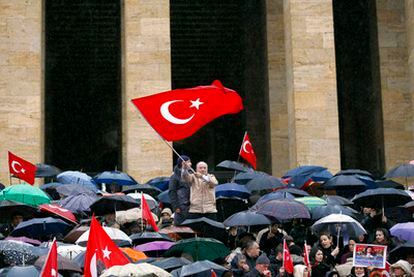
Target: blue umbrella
[(52, 185), (73, 189), (344, 181), (285, 209), (294, 191), (75, 177), (117, 177), (247, 218), (41, 228), (160, 183), (78, 203), (274, 196), (264, 183), (322, 211), (164, 197), (304, 170), (231, 190)]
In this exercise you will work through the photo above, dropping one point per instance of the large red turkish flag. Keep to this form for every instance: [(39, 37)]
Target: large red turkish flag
[(21, 168), (247, 152), (100, 247), (179, 113), (50, 268)]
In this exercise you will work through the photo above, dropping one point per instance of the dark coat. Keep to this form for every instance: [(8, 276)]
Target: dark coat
[(179, 191)]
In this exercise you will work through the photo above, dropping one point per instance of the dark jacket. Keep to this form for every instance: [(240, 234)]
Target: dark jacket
[(267, 245), (320, 270), (179, 191)]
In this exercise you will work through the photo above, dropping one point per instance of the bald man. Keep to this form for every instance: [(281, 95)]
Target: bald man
[(202, 193)]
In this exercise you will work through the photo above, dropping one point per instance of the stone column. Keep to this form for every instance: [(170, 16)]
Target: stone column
[(146, 70), (311, 84), (277, 87), (21, 83), (409, 24), (396, 96)]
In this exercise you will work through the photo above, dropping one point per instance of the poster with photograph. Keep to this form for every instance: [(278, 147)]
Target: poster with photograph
[(370, 255)]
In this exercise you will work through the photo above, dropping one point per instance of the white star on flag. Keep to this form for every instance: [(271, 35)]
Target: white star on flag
[(196, 103), (106, 253)]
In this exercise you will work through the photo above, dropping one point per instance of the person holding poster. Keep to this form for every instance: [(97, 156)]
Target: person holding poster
[(370, 255)]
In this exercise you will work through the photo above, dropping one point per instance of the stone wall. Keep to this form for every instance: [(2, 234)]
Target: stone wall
[(146, 70), (396, 96), (409, 24), (311, 83), (277, 88), (21, 130)]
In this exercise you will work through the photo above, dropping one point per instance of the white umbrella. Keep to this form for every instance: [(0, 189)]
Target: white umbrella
[(337, 223), (130, 215), (115, 234), (70, 251), (136, 270)]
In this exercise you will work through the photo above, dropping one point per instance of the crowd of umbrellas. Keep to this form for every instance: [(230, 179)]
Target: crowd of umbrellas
[(311, 194)]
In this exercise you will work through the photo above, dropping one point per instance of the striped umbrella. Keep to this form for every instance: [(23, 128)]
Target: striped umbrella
[(311, 201)]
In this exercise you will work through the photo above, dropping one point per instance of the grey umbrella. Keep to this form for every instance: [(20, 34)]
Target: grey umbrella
[(18, 253)]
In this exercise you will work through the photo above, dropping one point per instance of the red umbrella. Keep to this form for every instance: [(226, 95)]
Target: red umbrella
[(59, 211)]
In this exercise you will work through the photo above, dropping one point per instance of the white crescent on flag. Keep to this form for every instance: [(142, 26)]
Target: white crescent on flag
[(165, 112), (244, 146), (13, 165), (92, 267)]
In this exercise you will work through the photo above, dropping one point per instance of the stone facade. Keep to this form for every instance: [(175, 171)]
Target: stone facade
[(396, 91), (21, 130)]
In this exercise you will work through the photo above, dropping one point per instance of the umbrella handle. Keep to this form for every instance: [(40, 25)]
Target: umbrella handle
[(337, 238)]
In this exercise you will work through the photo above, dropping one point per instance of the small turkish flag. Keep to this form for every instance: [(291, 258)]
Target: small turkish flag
[(306, 256), (179, 113), (246, 151), (213, 273), (21, 168), (146, 213), (50, 269), (100, 247), (287, 259)]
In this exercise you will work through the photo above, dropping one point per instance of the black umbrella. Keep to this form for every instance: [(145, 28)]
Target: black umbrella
[(113, 203), (171, 263), (402, 251), (244, 177), (144, 237), (145, 188), (206, 227), (234, 166), (389, 184), (294, 191), (8, 208), (409, 206), (336, 200), (354, 172), (18, 253), (248, 218), (381, 198), (344, 181), (322, 211), (264, 183), (41, 228), (46, 170)]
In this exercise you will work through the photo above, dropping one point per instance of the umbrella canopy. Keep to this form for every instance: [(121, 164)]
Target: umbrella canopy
[(336, 200), (142, 269), (144, 237), (322, 211), (117, 177), (164, 197), (233, 165), (338, 223), (294, 191), (131, 215), (199, 249), (171, 263), (244, 177), (402, 171), (18, 253), (404, 231), (70, 251), (304, 170), (75, 233), (247, 218), (389, 184), (311, 201), (178, 232), (381, 197), (8, 208), (25, 239), (26, 194), (200, 268), (274, 196), (119, 237), (75, 177), (355, 172), (41, 228), (206, 227), (64, 264), (159, 182), (344, 181), (146, 188), (232, 190), (46, 170), (284, 209), (74, 189), (133, 254), (402, 251), (409, 206), (264, 183), (79, 203), (113, 203), (58, 211), (154, 246), (20, 271), (152, 203)]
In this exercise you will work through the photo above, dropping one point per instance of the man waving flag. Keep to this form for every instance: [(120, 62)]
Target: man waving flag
[(179, 113)]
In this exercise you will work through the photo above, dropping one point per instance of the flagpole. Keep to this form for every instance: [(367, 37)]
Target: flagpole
[(172, 148)]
